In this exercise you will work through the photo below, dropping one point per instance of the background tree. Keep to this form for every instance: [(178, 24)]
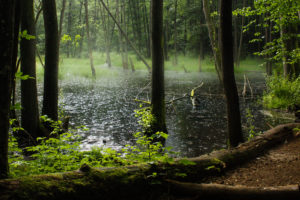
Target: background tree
[(89, 40), (50, 100), (7, 13), (235, 135)]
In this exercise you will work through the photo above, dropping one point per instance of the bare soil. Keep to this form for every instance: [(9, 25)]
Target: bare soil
[(279, 167)]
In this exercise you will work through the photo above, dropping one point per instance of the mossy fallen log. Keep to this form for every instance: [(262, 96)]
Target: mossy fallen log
[(238, 192), (142, 181)]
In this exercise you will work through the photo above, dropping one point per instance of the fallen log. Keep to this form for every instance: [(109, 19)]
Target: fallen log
[(143, 181), (238, 192)]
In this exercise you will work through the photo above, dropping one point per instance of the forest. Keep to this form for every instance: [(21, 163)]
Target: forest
[(149, 99)]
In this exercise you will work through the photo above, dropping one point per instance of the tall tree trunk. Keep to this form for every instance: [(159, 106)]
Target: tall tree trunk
[(150, 27), (166, 36), (61, 19), (50, 100), (120, 18), (146, 29), (158, 94), (106, 24), (69, 27), (175, 34), (30, 113), (233, 110), (7, 9), (15, 63), (124, 41), (235, 43), (81, 30), (212, 32), (89, 39), (239, 50)]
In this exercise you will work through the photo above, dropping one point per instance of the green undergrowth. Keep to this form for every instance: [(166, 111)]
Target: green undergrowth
[(282, 93), (62, 152)]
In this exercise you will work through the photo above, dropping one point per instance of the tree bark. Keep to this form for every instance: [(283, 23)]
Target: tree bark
[(136, 182), (107, 36), (239, 50), (212, 32), (235, 135), (30, 112), (82, 31), (7, 14), (175, 34), (50, 98), (158, 92), (61, 19), (69, 27), (89, 39)]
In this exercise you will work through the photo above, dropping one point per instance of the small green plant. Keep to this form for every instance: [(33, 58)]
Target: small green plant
[(145, 117), (216, 165), (250, 125)]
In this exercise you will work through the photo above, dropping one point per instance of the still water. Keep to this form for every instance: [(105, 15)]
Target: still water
[(107, 106)]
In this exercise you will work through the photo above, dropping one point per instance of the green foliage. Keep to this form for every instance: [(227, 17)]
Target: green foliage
[(26, 36), (280, 14), (282, 93), (66, 38), (145, 117), (61, 152), (217, 165), (250, 125), (21, 76)]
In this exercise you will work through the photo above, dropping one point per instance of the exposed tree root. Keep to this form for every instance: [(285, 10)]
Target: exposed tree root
[(226, 192)]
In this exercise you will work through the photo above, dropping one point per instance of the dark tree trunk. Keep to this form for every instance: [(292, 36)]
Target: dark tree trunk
[(50, 98), (30, 112), (121, 20), (7, 9), (61, 19), (175, 34), (89, 39), (81, 30), (146, 29), (124, 41), (158, 94), (233, 109), (106, 28), (15, 53), (150, 27), (239, 48), (69, 27)]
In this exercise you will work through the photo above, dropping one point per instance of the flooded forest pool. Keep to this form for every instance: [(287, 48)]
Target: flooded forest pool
[(107, 106)]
